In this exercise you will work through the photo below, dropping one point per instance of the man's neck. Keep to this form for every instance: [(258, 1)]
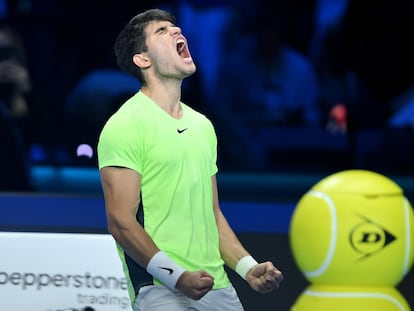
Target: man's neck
[(167, 96)]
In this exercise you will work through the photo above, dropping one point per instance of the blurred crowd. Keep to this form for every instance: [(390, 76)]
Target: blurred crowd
[(340, 67)]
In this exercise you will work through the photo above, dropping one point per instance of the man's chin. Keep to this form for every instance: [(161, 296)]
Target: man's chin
[(190, 72)]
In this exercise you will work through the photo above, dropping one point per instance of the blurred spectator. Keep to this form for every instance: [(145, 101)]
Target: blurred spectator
[(14, 84), (328, 17), (337, 120), (338, 81), (377, 48), (91, 102), (264, 80), (14, 76), (204, 23), (402, 108), (365, 62), (65, 40)]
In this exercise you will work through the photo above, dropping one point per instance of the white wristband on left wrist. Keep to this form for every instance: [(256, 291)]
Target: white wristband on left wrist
[(244, 265), (162, 267)]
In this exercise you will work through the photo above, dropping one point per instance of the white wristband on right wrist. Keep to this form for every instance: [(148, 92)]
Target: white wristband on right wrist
[(162, 267), (244, 265)]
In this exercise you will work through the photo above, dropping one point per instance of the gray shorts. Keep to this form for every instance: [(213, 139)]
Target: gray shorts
[(160, 298)]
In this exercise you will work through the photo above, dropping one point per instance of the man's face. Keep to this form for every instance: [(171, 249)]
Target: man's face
[(168, 51)]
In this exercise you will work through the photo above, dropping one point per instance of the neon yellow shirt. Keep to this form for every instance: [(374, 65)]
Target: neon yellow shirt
[(176, 159)]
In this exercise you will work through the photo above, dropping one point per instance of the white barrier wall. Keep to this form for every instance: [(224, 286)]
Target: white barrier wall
[(61, 272)]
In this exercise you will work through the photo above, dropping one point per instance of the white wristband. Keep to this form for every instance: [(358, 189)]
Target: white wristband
[(162, 267), (244, 265)]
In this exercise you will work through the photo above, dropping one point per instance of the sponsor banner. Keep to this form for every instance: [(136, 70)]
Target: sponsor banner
[(61, 272)]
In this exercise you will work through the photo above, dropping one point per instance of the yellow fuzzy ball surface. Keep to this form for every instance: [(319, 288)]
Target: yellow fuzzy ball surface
[(341, 298), (353, 228)]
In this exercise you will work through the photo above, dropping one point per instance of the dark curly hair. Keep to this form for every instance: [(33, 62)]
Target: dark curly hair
[(131, 40)]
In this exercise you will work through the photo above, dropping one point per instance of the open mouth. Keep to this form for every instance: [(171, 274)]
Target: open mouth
[(182, 49)]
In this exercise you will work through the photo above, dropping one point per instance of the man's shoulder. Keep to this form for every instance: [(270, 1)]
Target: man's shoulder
[(132, 108)]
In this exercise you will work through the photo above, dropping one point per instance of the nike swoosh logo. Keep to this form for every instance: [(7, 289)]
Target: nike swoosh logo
[(170, 271), (181, 130)]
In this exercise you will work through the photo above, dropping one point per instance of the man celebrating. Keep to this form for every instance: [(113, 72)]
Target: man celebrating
[(157, 160)]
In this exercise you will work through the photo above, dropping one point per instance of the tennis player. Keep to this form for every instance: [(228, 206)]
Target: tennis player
[(157, 160)]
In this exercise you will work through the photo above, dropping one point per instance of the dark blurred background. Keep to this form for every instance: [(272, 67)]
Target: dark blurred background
[(303, 85)]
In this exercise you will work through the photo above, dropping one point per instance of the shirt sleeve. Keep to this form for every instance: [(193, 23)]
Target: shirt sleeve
[(117, 147)]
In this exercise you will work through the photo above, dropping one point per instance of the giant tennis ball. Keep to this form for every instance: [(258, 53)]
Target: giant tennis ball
[(353, 228), (345, 298)]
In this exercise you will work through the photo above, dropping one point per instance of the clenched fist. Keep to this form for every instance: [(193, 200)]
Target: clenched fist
[(264, 277)]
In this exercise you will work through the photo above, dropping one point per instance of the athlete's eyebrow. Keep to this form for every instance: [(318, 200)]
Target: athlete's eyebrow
[(163, 28)]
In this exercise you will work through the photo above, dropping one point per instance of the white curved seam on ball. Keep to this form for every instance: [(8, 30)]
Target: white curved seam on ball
[(355, 295), (332, 245), (407, 237)]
